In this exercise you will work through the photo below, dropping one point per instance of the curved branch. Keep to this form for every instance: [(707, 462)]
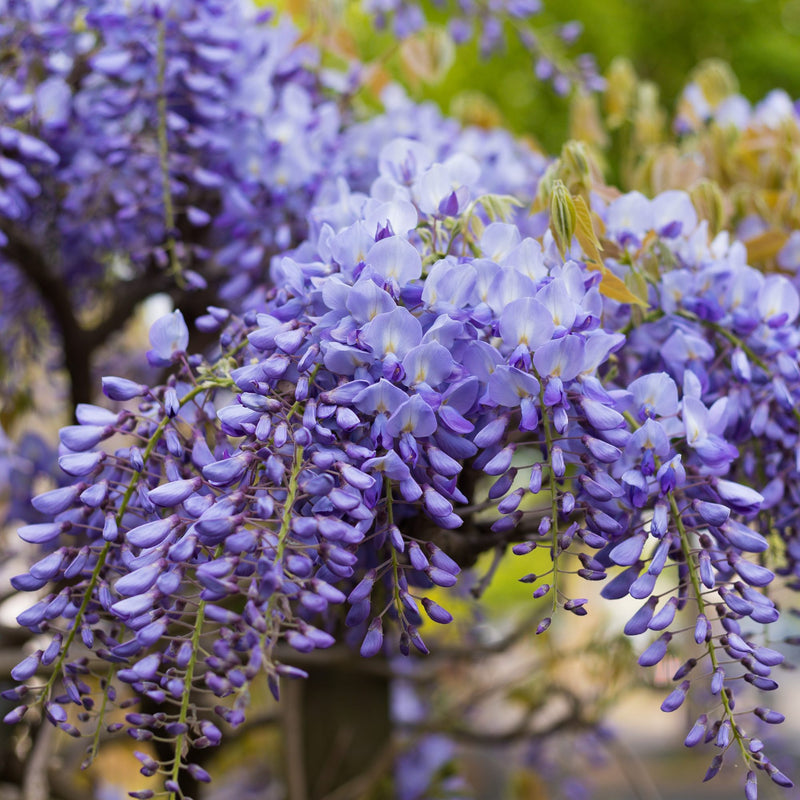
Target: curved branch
[(28, 258)]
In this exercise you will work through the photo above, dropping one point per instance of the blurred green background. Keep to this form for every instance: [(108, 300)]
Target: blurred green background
[(664, 39)]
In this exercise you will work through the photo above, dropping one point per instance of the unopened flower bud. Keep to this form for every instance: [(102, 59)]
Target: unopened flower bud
[(707, 198), (563, 217)]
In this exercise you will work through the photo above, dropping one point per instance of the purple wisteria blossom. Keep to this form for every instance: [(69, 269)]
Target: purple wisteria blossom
[(420, 378)]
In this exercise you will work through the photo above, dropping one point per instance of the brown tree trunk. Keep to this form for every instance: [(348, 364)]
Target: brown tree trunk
[(338, 733)]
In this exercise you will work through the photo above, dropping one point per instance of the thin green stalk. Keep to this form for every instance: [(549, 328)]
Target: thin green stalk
[(548, 438), (395, 562), (268, 637), (701, 606), (187, 686), (103, 554)]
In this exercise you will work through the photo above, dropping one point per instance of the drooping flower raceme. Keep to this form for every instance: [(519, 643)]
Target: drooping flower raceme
[(146, 153), (414, 341)]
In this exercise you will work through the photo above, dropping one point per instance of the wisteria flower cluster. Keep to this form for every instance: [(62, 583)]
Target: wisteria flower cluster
[(152, 137), (162, 151), (144, 152), (325, 467)]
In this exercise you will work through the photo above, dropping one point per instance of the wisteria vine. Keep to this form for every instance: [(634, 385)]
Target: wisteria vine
[(312, 466), (614, 371)]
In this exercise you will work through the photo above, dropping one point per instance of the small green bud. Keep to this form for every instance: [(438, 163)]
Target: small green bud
[(545, 188), (716, 80), (620, 91), (708, 201), (575, 163), (563, 216)]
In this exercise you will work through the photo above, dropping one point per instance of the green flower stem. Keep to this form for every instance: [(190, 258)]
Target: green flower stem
[(101, 558), (100, 714), (548, 438), (183, 714), (701, 606), (395, 563), (269, 636)]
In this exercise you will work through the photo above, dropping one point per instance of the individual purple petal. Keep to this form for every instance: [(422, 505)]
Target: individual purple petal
[(391, 465), (656, 651), (712, 513), (442, 577), (427, 363), (778, 302), (41, 533), (628, 551), (49, 566), (744, 538), (702, 629), (80, 464), (139, 581), (643, 586), (562, 358), (436, 612), (751, 573), (174, 492), (363, 589), (526, 322), (640, 621), (741, 498), (56, 500), (394, 332), (382, 397), (600, 416), (768, 656), (509, 385), (27, 667), (620, 585), (15, 715), (556, 298), (417, 557), (768, 715), (664, 616), (602, 451), (122, 388), (373, 641), (654, 395), (436, 505), (396, 259), (228, 470), (675, 699), (493, 431), (83, 437), (169, 337), (151, 533), (751, 786), (414, 417)]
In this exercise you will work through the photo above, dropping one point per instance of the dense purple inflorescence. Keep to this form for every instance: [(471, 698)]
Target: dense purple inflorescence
[(417, 341), (109, 196), (428, 375)]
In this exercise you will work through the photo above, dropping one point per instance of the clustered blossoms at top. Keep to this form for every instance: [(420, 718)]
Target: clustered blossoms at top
[(217, 178), (414, 342), (249, 138)]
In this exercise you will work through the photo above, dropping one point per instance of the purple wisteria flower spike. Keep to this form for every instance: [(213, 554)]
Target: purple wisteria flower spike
[(406, 371)]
